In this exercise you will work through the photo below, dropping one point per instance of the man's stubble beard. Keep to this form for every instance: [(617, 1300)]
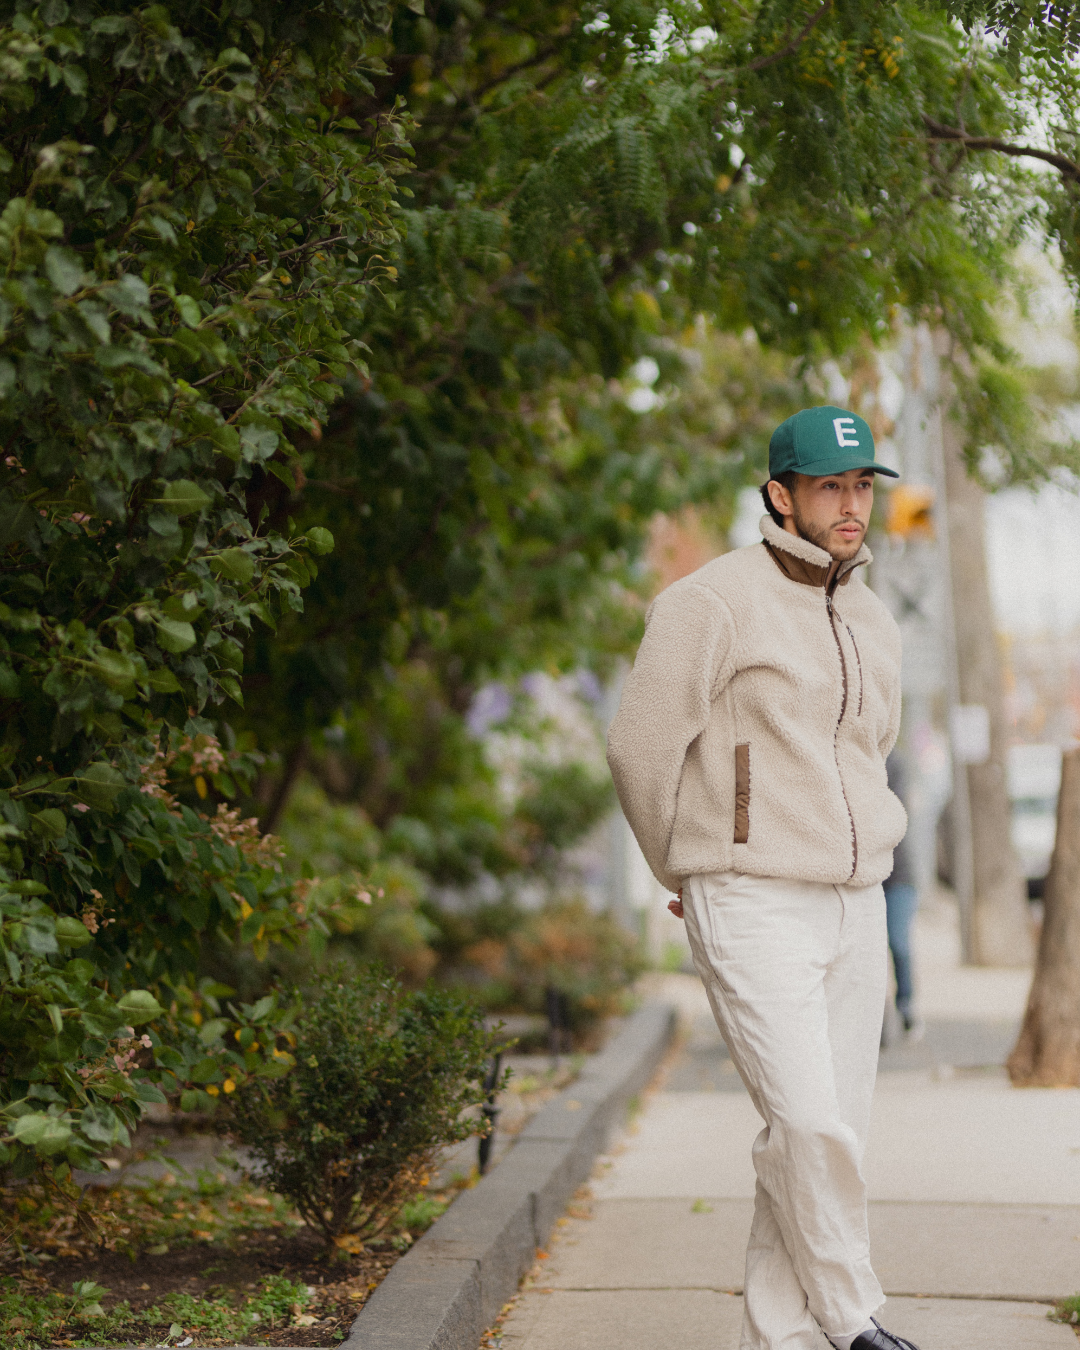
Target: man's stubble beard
[(820, 537)]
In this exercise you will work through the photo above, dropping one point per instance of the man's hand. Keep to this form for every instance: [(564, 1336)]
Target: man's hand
[(676, 905)]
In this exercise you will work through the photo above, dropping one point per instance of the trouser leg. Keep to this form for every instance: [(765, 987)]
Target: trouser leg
[(901, 902), (796, 975)]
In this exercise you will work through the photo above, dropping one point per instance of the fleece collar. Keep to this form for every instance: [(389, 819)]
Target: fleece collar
[(801, 561)]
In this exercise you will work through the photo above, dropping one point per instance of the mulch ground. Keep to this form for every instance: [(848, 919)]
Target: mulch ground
[(341, 1287), (160, 1244)]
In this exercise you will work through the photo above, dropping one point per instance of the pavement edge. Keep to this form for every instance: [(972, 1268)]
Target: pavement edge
[(449, 1288)]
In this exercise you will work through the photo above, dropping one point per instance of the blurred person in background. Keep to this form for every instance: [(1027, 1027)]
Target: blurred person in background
[(901, 902), (749, 756)]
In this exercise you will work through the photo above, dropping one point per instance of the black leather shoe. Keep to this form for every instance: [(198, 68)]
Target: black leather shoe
[(880, 1339)]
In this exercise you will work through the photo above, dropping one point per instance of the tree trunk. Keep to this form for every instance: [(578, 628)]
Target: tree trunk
[(295, 764), (1000, 927), (1048, 1051)]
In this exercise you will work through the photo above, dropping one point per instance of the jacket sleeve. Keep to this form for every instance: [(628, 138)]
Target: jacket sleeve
[(664, 707)]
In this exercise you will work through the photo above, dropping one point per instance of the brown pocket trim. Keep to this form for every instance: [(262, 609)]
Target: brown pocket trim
[(742, 794)]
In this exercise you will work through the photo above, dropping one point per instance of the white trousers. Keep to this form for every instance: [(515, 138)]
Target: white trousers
[(796, 972)]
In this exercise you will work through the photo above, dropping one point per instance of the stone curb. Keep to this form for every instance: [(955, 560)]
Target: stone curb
[(450, 1287)]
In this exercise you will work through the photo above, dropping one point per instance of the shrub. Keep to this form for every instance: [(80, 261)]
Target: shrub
[(189, 236), (384, 1078), (588, 957), (370, 901), (516, 955)]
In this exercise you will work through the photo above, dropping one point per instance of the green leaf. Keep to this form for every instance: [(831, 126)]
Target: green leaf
[(64, 269), (98, 786), (235, 563), (75, 79), (182, 497), (46, 1134), (205, 1071), (227, 440), (72, 932), (163, 681), (284, 472), (174, 635), (188, 309), (184, 606), (139, 1005), (116, 669), (231, 685), (103, 1125), (53, 825), (320, 539)]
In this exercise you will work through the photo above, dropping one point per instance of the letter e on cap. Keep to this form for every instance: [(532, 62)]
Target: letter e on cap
[(845, 432)]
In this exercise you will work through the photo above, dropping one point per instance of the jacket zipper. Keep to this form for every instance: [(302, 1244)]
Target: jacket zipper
[(836, 732), (858, 662)]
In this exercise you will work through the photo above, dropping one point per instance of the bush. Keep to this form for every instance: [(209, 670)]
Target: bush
[(370, 901), (384, 1078), (189, 236), (516, 955)]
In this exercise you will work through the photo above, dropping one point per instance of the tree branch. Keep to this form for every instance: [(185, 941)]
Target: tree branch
[(1065, 166), (786, 50)]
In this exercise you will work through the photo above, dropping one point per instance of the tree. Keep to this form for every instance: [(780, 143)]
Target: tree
[(583, 185), (190, 232), (1047, 1053), (998, 926)]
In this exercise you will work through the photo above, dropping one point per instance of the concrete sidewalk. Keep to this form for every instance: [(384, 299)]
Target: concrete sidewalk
[(975, 1190)]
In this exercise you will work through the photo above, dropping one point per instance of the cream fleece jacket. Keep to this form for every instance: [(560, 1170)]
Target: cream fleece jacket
[(753, 728)]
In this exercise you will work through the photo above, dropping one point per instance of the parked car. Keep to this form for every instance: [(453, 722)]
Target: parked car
[(1034, 775)]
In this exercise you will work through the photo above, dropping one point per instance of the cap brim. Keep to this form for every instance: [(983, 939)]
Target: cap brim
[(824, 467)]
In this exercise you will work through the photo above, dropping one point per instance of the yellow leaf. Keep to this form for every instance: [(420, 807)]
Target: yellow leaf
[(245, 909), (213, 1090), (200, 786), (349, 1242), (229, 1085)]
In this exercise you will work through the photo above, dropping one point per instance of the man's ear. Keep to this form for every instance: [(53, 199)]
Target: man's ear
[(780, 498)]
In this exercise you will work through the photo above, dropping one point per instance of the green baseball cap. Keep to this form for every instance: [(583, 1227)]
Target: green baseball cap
[(820, 441)]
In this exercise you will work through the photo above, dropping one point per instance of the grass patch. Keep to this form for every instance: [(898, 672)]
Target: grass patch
[(33, 1319), (1066, 1310)]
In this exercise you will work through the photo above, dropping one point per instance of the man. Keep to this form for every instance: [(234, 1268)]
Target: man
[(749, 756)]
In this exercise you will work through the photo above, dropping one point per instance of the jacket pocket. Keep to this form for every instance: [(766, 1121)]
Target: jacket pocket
[(742, 794)]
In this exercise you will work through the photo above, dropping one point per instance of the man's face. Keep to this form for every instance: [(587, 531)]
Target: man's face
[(831, 512)]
